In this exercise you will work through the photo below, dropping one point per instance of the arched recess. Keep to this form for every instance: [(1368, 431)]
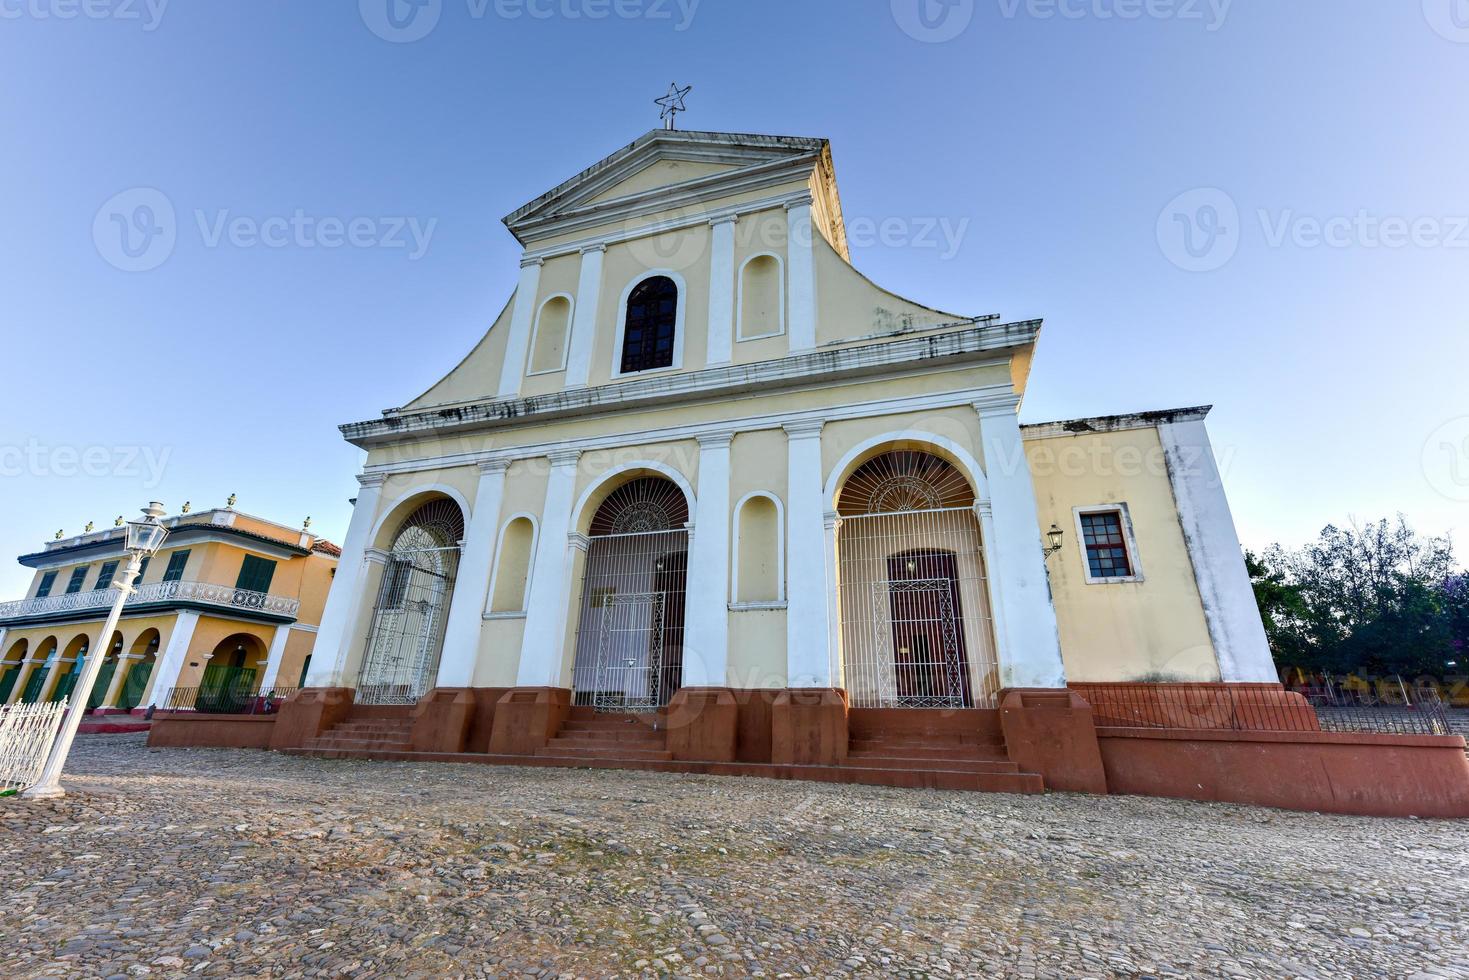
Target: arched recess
[(10, 667), (758, 575), (913, 593), (46, 653), (643, 307), (232, 675), (514, 562), (139, 667), (406, 636), (629, 644), (111, 662), (396, 513), (606, 484), (917, 439), (69, 667), (551, 336), (761, 308)]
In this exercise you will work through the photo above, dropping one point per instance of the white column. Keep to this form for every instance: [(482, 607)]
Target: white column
[(344, 602), (1025, 620), (584, 320), (722, 290), (275, 657), (522, 319), (1213, 544), (550, 589), (808, 630), (801, 245), (166, 669), (706, 626), (472, 583)]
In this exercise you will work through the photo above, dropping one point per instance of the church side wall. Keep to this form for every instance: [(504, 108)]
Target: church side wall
[(1149, 630)]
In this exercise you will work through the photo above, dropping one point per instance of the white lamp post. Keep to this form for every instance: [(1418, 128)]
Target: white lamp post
[(144, 537)]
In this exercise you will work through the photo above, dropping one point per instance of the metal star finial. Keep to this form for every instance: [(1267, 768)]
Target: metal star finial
[(88, 528), (231, 502), (672, 103)]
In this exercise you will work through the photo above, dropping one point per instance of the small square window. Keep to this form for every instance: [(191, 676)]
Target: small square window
[(1106, 541)]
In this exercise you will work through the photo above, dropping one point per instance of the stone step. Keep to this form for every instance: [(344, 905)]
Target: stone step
[(331, 743), (971, 752), (373, 729), (560, 750), (643, 735), (609, 725), (936, 765)]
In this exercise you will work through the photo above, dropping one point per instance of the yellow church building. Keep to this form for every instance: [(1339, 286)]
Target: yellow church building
[(225, 614), (704, 498)]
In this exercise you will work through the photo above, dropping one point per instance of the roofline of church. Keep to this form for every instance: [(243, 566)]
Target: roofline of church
[(804, 144), (1115, 423)]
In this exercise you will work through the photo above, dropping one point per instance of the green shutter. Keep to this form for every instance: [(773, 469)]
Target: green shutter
[(133, 687), (47, 581), (176, 563), (255, 574), (7, 683)]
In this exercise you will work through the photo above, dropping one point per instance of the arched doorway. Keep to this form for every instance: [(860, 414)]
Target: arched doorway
[(110, 664), (231, 676), (135, 683), (47, 652), (401, 663), (629, 644), (915, 621), (72, 662), (11, 667)]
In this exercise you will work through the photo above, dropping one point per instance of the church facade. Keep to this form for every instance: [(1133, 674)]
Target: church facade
[(704, 496)]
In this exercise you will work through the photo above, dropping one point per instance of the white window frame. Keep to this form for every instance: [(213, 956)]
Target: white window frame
[(740, 304), (1129, 541), (530, 354), (530, 569), (679, 324), (780, 601)]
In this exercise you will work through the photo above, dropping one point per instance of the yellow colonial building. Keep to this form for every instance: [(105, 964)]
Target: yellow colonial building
[(226, 613)]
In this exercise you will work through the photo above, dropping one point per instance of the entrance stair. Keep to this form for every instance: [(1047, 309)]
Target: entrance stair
[(588, 735), (362, 734)]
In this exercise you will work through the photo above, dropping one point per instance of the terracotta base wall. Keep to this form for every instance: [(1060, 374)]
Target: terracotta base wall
[(703, 724), (809, 728), (486, 699), (526, 718), (441, 721), (1052, 733), (310, 713), (1365, 775), (186, 729)]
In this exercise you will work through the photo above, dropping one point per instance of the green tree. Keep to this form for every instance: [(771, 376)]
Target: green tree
[(1370, 598)]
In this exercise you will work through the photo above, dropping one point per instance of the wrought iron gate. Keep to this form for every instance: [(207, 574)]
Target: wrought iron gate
[(401, 663), (914, 607), (629, 647)]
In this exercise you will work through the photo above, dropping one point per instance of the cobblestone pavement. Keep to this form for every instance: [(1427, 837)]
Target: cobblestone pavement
[(222, 863)]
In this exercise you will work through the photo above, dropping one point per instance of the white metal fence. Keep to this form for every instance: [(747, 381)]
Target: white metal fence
[(27, 732)]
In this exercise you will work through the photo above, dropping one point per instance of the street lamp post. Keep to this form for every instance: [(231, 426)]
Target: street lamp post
[(144, 537)]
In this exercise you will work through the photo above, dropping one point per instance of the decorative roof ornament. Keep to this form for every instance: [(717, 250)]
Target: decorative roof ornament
[(119, 522), (188, 506), (88, 528), (672, 104), (307, 525), (230, 503), (61, 533)]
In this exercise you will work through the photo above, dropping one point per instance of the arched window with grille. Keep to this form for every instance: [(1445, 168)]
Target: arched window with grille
[(650, 322)]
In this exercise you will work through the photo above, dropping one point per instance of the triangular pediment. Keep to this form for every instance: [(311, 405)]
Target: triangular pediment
[(667, 167)]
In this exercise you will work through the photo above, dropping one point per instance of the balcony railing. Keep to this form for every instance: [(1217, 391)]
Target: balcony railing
[(205, 593)]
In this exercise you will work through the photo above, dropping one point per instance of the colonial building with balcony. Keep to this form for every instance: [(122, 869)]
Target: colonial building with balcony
[(227, 611), (704, 498)]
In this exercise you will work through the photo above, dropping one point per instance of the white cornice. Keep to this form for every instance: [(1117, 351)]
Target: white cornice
[(797, 425), (1113, 423), (887, 360)]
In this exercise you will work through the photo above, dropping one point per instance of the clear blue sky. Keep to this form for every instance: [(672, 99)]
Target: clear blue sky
[(1059, 140)]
